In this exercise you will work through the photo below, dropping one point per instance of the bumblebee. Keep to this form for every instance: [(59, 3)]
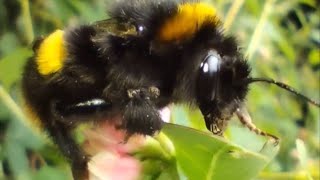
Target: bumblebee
[(147, 55)]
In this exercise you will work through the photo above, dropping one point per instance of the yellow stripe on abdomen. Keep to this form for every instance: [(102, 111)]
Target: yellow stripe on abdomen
[(51, 53), (187, 21)]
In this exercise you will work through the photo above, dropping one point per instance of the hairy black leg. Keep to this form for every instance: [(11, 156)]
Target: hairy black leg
[(61, 135), (140, 114)]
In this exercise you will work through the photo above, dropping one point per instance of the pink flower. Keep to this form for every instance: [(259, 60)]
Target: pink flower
[(111, 157), (110, 152), (107, 165)]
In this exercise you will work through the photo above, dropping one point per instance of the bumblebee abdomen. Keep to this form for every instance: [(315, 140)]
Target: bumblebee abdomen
[(54, 73), (35, 95)]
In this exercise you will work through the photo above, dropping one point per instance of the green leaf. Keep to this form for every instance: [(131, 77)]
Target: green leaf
[(203, 156), (157, 159), (11, 66), (18, 161), (50, 173), (314, 57)]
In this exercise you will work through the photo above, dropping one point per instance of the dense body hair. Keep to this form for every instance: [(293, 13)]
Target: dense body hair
[(134, 65)]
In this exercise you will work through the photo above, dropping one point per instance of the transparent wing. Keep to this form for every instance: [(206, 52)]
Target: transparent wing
[(114, 27)]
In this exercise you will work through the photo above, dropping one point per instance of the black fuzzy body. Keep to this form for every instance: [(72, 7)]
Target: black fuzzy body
[(122, 68)]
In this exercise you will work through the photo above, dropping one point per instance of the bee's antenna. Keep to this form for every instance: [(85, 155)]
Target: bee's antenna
[(283, 86)]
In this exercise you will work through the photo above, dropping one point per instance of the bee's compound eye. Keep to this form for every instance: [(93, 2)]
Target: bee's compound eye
[(209, 76)]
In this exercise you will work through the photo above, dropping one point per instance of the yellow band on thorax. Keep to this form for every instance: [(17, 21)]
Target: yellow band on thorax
[(187, 21), (51, 53)]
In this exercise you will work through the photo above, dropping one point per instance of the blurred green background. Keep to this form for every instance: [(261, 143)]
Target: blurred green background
[(280, 38)]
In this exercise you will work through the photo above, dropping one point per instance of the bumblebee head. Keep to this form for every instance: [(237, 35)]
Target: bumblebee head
[(208, 66), (211, 62)]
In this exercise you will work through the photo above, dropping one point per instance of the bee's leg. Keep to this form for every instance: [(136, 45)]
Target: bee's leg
[(245, 119), (140, 114), (62, 137), (61, 134)]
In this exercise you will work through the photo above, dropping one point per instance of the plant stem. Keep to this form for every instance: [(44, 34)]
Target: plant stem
[(10, 104), (259, 28), (287, 175), (232, 13), (26, 20)]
